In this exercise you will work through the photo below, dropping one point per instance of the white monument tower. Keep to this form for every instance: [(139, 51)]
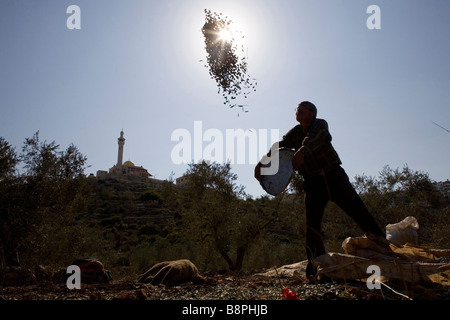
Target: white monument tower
[(121, 142)]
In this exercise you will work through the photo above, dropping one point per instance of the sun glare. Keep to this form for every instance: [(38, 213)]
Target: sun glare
[(225, 35), (234, 37)]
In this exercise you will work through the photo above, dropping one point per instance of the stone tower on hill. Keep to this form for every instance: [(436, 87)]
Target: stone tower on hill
[(126, 168)]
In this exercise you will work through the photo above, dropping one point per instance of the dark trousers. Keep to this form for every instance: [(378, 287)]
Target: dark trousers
[(334, 186)]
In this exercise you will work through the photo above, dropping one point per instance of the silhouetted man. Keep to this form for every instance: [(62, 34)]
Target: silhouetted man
[(324, 179)]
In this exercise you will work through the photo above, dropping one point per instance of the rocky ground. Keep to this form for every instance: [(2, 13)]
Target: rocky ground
[(221, 287)]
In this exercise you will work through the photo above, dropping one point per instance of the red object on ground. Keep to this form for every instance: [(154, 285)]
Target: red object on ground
[(289, 295)]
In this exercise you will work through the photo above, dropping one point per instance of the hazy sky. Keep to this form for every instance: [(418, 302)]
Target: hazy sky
[(135, 65)]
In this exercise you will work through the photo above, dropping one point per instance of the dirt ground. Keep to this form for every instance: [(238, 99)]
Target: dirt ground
[(223, 287)]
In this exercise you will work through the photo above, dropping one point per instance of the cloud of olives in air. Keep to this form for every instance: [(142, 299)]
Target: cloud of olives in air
[(226, 66)]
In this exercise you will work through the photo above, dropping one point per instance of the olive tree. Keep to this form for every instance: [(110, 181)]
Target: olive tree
[(41, 189), (215, 214)]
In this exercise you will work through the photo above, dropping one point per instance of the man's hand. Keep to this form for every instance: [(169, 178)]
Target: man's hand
[(258, 171), (297, 160)]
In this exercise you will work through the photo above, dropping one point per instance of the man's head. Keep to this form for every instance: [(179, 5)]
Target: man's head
[(306, 112)]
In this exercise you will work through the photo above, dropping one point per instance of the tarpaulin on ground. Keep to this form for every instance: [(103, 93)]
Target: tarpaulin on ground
[(407, 262)]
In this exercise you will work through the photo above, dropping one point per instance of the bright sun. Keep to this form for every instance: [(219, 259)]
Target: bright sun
[(225, 35)]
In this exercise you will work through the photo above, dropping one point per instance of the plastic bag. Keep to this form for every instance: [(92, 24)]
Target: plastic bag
[(403, 232)]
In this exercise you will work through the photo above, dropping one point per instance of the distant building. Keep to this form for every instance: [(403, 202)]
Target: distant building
[(183, 181), (130, 169), (444, 188), (127, 170)]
